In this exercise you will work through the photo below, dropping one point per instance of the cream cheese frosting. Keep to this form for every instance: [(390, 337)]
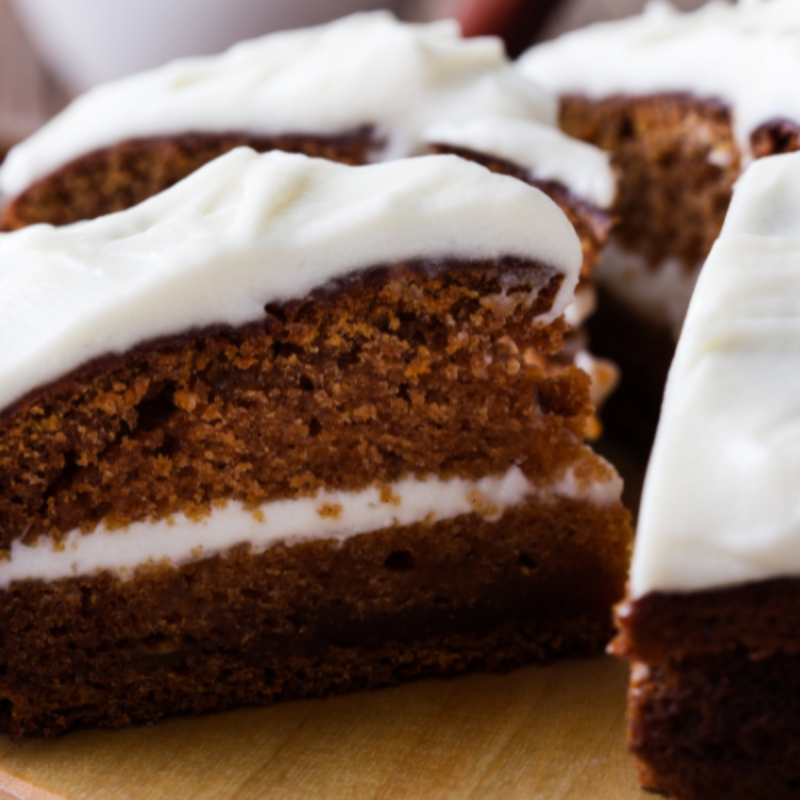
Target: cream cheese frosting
[(332, 515), (547, 153), (363, 70), (720, 504), (246, 230), (745, 55)]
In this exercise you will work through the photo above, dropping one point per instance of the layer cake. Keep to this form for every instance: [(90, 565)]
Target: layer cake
[(287, 429)]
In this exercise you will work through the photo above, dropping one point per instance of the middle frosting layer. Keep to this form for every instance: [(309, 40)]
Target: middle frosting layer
[(247, 230), (333, 515)]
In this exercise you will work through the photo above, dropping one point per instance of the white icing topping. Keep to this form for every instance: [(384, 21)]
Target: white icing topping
[(333, 515), (745, 55), (720, 504), (660, 293), (247, 230), (366, 69), (547, 153)]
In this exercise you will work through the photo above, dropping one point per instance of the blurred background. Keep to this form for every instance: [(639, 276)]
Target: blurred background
[(51, 50)]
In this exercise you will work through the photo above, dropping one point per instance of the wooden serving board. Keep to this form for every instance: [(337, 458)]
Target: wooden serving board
[(539, 733)]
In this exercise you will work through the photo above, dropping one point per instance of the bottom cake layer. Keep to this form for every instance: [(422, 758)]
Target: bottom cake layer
[(714, 703), (723, 726), (314, 618)]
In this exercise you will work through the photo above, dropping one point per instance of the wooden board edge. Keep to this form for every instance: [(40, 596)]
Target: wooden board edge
[(13, 788)]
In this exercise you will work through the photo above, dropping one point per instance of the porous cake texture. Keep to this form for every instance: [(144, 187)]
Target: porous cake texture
[(288, 433), (683, 101), (710, 625)]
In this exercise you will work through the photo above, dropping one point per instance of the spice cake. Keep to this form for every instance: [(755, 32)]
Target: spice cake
[(712, 625), (683, 101), (363, 89), (284, 430)]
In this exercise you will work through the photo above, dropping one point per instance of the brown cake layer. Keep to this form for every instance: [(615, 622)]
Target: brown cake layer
[(312, 619), (677, 161), (593, 226), (118, 177), (762, 618), (714, 705), (418, 368)]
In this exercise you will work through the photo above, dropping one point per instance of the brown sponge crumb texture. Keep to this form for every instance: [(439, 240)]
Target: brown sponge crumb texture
[(677, 161), (714, 704)]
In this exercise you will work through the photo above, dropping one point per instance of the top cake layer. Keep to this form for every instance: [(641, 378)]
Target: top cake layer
[(720, 504), (745, 55), (247, 230), (367, 70)]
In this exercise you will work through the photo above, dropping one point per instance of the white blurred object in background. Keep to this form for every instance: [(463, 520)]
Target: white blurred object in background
[(86, 42)]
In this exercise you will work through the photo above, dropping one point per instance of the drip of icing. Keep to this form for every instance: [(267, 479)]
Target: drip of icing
[(247, 230), (720, 504), (335, 515), (745, 55)]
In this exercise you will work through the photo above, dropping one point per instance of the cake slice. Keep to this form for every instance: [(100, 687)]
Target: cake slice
[(364, 89), (711, 625), (284, 430), (683, 101)]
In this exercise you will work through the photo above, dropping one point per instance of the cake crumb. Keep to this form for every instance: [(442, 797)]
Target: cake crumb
[(388, 496), (258, 515), (480, 505), (186, 400), (330, 511)]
